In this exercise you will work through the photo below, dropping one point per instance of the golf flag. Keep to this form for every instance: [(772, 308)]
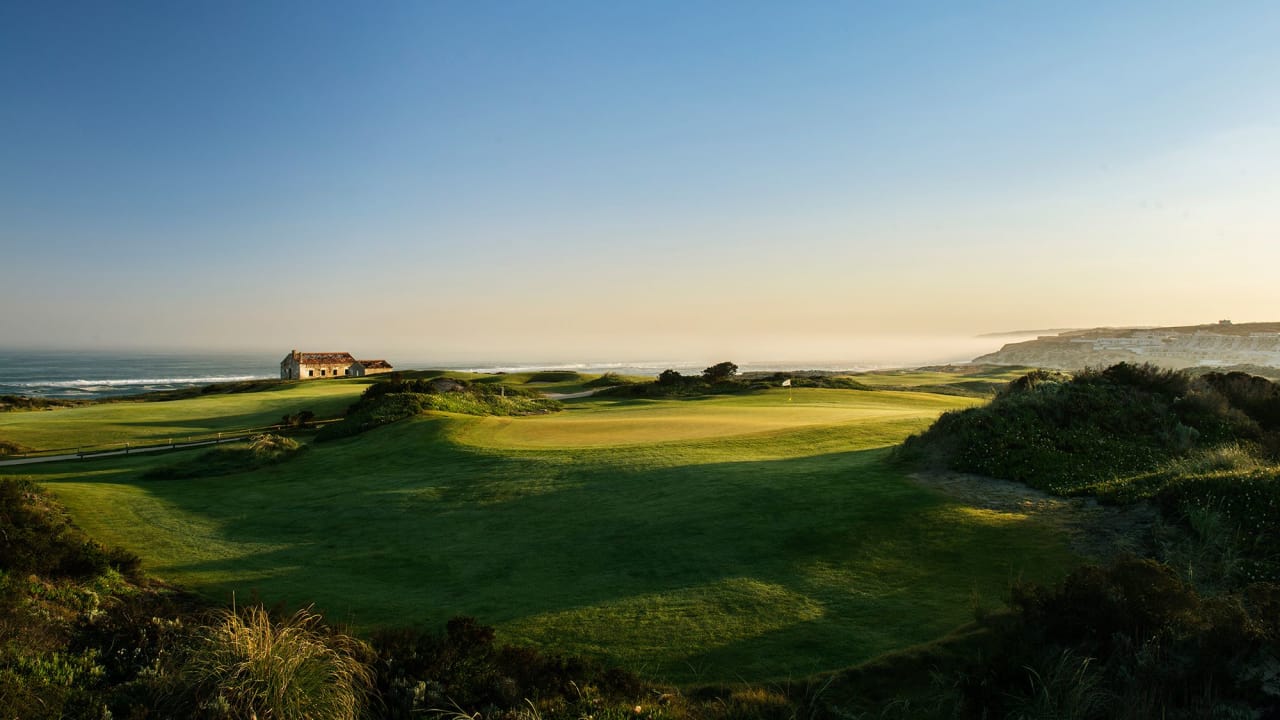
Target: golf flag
[(786, 383)]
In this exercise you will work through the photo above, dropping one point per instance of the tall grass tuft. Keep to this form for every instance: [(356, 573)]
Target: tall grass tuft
[(269, 446), (1064, 689), (246, 665)]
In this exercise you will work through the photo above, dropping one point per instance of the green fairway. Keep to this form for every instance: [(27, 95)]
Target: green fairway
[(730, 537), (138, 421), (599, 422)]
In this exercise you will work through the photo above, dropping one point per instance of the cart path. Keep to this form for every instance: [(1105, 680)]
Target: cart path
[(128, 451)]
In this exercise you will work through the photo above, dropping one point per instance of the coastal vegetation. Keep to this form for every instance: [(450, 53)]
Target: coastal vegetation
[(764, 553), (15, 403), (1190, 631), (1195, 446), (747, 535)]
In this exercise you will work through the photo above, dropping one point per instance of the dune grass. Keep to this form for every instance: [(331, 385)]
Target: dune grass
[(926, 377), (736, 537)]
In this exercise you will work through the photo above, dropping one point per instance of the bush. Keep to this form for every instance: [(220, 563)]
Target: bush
[(671, 384), (12, 448), (1070, 436), (1249, 506), (268, 446), (11, 403), (1256, 397), (300, 420), (720, 372), (464, 668), (1154, 637)]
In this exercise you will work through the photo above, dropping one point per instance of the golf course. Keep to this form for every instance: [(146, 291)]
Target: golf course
[(750, 536)]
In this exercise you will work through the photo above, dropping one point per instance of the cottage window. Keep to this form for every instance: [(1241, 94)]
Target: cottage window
[(311, 373)]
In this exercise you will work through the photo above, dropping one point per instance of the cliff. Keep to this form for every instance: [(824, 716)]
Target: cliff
[(1218, 345)]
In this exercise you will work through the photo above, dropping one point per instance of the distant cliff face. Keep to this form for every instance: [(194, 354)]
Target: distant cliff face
[(1222, 344)]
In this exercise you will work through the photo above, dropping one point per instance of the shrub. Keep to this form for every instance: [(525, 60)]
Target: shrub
[(465, 668), (50, 685), (10, 403), (1256, 397), (1070, 436), (8, 447), (671, 384), (299, 420), (720, 372), (269, 446), (1154, 637), (1248, 504), (670, 377), (246, 665)]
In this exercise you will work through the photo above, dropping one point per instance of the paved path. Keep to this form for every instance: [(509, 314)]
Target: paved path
[(113, 453)]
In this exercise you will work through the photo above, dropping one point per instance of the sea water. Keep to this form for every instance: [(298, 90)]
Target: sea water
[(98, 374)]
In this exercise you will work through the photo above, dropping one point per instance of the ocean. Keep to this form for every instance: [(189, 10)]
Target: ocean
[(88, 375)]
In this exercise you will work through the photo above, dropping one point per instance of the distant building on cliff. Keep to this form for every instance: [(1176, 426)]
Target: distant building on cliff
[(310, 365)]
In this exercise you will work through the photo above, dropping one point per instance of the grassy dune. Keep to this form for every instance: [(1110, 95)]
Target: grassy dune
[(733, 537)]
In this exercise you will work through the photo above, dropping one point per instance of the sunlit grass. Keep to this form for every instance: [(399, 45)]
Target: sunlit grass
[(775, 540), (141, 422)]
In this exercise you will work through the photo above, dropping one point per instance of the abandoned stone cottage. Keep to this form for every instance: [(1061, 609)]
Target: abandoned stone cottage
[(310, 365)]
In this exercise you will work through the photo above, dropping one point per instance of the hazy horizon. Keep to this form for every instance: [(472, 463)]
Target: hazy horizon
[(845, 353), (574, 182)]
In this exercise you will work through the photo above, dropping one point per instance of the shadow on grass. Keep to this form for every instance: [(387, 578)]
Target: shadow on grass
[(402, 526)]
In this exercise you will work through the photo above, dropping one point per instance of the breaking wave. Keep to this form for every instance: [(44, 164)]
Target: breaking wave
[(135, 382)]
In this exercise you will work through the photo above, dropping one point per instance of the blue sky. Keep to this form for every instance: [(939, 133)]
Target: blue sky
[(620, 180)]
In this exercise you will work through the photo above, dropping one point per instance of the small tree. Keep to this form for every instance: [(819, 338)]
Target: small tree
[(669, 377), (720, 372)]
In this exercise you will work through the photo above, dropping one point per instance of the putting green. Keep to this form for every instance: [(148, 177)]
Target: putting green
[(608, 422)]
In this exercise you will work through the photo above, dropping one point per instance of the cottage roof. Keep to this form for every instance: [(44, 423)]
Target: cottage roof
[(375, 364), (324, 358)]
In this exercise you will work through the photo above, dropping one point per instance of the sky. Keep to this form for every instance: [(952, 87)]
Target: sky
[(587, 181)]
